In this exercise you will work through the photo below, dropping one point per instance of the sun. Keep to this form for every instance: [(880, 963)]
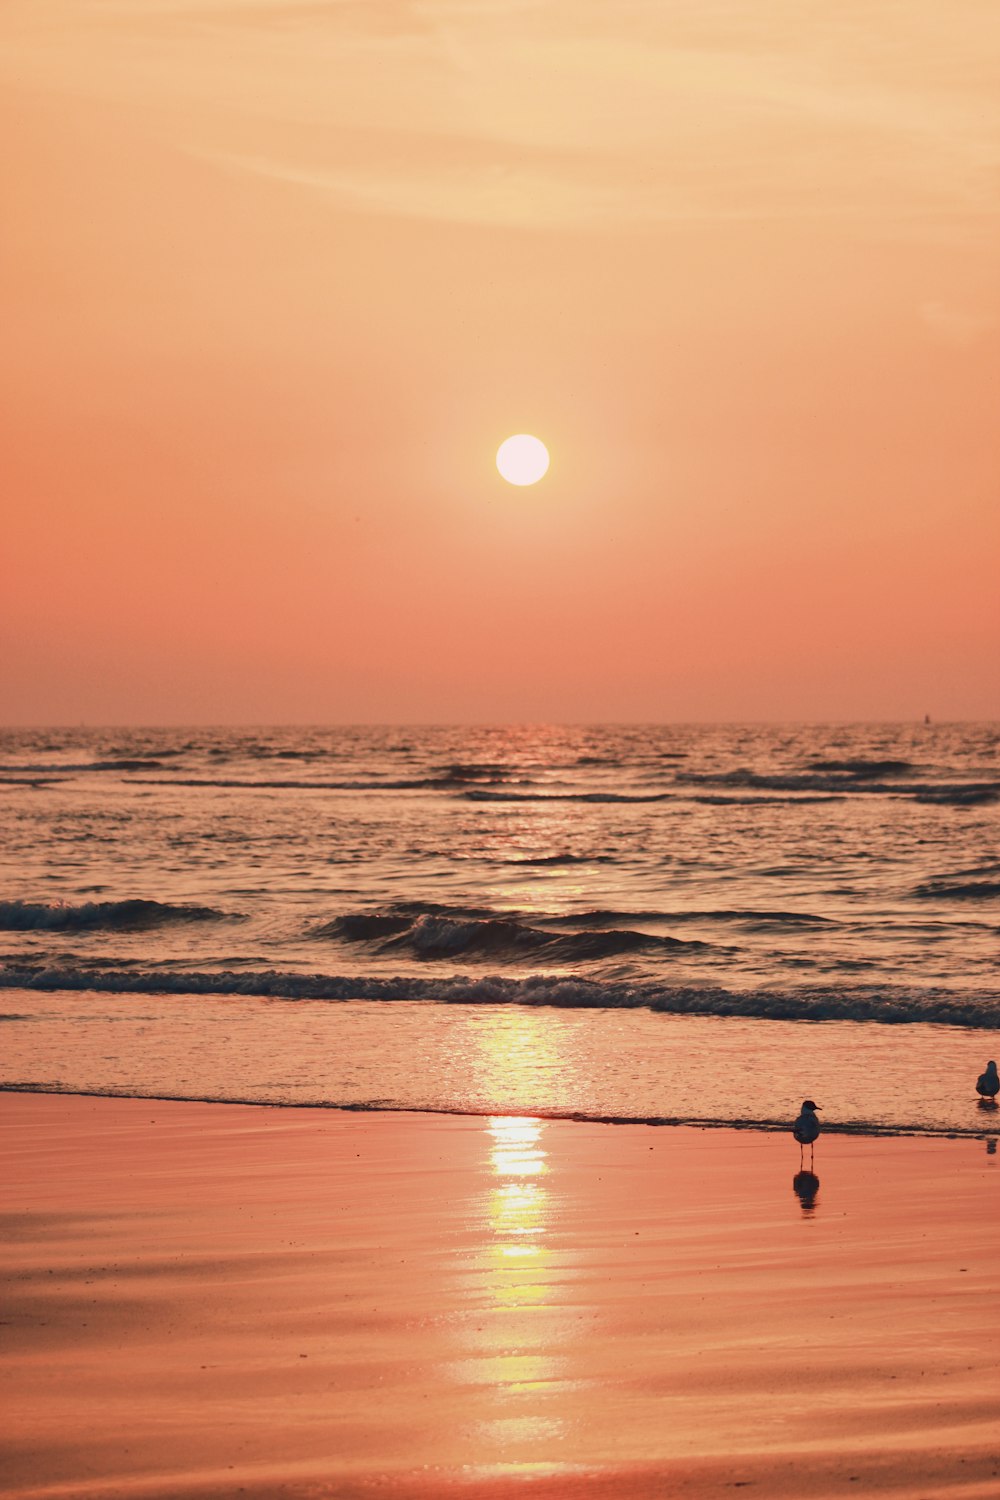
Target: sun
[(522, 459)]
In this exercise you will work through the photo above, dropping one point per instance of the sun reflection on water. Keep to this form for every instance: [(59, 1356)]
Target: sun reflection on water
[(517, 1207), (516, 1151), (520, 1366), (519, 1057)]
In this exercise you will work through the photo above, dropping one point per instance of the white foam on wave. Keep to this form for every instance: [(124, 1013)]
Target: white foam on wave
[(889, 1006)]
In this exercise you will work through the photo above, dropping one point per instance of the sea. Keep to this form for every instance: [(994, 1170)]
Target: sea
[(659, 923)]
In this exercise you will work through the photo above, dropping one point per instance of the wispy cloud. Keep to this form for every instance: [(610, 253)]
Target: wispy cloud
[(564, 112)]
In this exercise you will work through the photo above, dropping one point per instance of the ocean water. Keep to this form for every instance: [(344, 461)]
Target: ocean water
[(621, 922)]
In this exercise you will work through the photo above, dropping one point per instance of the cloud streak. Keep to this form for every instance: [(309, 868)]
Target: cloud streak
[(561, 115)]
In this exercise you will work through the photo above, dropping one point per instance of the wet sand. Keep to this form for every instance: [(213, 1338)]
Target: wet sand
[(212, 1300)]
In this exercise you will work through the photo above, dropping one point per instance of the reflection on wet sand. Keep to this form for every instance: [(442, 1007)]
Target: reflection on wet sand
[(805, 1186), (989, 1107), (510, 1347), (518, 1205), (519, 1288)]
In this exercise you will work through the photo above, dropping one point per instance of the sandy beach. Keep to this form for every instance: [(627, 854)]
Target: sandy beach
[(218, 1300)]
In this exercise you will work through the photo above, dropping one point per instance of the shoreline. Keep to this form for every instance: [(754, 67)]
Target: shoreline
[(987, 1131), (218, 1299), (493, 1059)]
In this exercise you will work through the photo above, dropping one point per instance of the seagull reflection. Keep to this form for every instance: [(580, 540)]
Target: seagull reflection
[(988, 1107), (805, 1186)]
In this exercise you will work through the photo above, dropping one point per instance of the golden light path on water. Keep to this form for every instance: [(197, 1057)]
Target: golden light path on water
[(526, 1377), (515, 1351)]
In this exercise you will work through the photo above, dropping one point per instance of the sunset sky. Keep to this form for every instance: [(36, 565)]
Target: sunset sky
[(277, 278)]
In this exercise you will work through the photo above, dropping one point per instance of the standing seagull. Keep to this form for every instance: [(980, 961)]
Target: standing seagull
[(988, 1084), (806, 1128)]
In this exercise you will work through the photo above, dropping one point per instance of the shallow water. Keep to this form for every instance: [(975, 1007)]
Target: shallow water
[(614, 1065)]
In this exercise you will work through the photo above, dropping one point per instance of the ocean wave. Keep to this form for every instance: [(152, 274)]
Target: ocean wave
[(432, 935), (762, 799), (797, 789), (958, 890), (363, 927), (444, 782), (132, 763), (400, 916), (557, 859), (477, 794), (893, 1005), (750, 918), (266, 752), (373, 784), (451, 774), (134, 915), (862, 768), (123, 763), (960, 796), (621, 761), (833, 782), (461, 771)]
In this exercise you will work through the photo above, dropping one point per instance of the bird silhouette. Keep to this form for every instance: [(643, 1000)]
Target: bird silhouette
[(806, 1128), (805, 1186), (988, 1084)]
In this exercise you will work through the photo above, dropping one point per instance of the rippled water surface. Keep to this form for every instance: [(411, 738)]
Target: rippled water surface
[(764, 874)]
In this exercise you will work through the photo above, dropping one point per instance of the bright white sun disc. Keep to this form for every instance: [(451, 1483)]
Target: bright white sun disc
[(522, 459)]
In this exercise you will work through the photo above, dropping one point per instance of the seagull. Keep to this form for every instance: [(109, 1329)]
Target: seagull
[(988, 1084), (806, 1127)]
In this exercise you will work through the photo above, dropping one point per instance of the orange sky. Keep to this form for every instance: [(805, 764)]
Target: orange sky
[(277, 277)]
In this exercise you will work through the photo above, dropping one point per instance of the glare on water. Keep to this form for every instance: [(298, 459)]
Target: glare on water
[(500, 1060)]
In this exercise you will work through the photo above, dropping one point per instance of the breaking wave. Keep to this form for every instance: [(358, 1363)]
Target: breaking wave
[(431, 935), (134, 916), (403, 915), (888, 1006)]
